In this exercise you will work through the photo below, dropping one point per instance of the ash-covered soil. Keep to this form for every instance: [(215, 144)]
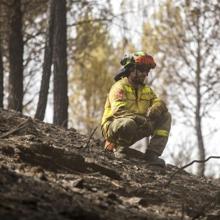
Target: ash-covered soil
[(47, 172)]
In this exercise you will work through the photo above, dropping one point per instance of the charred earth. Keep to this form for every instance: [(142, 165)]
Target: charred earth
[(47, 172)]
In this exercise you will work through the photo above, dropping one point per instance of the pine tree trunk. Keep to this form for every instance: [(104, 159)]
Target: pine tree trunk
[(16, 47), (60, 66), (1, 64), (1, 78), (45, 81)]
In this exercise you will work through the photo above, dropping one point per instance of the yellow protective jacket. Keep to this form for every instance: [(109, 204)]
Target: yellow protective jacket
[(124, 100)]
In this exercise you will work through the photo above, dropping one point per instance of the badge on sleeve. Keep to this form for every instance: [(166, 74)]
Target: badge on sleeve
[(120, 94)]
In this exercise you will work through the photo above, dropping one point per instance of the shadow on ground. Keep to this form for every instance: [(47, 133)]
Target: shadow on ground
[(59, 160)]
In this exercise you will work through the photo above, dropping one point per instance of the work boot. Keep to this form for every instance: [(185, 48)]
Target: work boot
[(153, 159), (119, 152)]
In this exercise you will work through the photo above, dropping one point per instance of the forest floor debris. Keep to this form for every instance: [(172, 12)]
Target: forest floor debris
[(46, 172)]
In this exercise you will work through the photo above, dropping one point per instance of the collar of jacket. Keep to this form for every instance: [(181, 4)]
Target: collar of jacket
[(125, 81)]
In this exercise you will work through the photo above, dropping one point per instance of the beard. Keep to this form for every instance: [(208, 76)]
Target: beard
[(138, 80)]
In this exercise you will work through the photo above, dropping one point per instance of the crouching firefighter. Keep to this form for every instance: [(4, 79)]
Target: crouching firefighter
[(133, 111)]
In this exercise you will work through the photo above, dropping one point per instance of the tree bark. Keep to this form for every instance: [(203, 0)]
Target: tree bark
[(48, 54), (1, 64), (60, 66), (198, 118), (16, 47), (1, 78)]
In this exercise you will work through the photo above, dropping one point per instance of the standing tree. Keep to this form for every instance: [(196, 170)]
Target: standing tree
[(45, 81), (1, 63), (33, 23), (93, 70), (16, 47), (188, 35), (60, 65), (1, 78)]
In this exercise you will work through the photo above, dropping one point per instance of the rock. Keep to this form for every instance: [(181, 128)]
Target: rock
[(42, 176), (112, 196), (77, 183)]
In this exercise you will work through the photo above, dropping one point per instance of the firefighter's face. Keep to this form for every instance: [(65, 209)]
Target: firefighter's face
[(138, 76)]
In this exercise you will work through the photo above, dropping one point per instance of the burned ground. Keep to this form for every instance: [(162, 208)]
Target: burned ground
[(47, 172)]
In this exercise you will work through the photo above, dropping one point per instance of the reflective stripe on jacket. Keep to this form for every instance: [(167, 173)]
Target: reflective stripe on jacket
[(124, 100)]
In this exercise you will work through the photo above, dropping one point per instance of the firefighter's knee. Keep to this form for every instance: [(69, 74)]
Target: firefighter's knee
[(126, 127), (167, 119), (122, 127), (168, 116)]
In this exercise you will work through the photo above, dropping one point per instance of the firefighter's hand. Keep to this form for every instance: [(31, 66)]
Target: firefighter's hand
[(140, 119), (156, 110), (109, 146)]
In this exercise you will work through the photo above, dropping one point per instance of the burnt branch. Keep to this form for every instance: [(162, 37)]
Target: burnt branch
[(90, 137), (189, 164), (19, 127)]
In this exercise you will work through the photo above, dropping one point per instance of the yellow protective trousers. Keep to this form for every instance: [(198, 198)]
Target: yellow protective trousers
[(125, 131)]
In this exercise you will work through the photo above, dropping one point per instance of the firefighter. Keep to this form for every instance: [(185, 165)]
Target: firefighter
[(133, 111)]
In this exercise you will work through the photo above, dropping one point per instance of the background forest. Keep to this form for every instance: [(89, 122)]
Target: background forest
[(58, 59)]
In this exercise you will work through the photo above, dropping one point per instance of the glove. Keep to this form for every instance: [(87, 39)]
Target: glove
[(140, 119), (156, 110), (109, 146)]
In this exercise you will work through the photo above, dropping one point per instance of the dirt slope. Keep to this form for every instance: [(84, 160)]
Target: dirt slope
[(46, 172)]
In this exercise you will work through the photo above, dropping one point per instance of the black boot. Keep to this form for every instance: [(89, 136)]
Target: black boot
[(153, 159)]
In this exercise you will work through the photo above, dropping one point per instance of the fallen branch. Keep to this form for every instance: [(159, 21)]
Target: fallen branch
[(90, 137), (19, 127), (189, 164)]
